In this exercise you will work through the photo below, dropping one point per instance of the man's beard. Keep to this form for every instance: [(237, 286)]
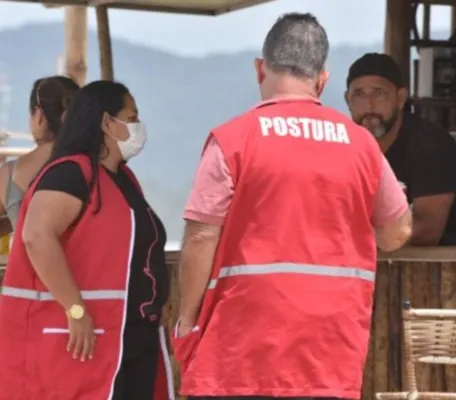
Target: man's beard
[(376, 124)]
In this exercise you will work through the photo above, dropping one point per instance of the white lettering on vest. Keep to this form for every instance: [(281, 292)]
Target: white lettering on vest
[(293, 127), (280, 126), (265, 124), (330, 132), (307, 128), (317, 130), (342, 134)]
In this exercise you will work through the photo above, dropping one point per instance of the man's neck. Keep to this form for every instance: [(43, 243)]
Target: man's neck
[(387, 141), (288, 87)]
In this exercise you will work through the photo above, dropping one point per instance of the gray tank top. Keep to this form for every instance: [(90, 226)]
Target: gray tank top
[(13, 196)]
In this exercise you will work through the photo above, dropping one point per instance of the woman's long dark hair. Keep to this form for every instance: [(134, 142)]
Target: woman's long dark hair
[(81, 130)]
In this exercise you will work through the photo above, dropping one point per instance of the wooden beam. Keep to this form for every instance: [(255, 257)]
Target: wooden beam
[(97, 3), (435, 2), (133, 6), (453, 20), (397, 34), (426, 21), (104, 43), (433, 43), (76, 43)]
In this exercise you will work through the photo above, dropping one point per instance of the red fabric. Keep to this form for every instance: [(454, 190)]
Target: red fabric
[(297, 201), (35, 365), (212, 191), (390, 200)]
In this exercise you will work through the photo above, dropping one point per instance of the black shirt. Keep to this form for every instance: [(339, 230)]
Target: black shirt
[(67, 177), (423, 157)]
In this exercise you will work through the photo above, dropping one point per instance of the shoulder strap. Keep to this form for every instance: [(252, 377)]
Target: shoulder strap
[(132, 176), (9, 182)]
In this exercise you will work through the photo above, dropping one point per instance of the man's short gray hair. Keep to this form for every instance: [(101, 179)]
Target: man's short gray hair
[(296, 45)]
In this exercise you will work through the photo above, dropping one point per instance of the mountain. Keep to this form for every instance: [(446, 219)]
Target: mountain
[(179, 98)]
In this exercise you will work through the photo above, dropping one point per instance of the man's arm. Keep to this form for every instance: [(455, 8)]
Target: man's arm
[(195, 267), (430, 215), (391, 217), (432, 188), (205, 212)]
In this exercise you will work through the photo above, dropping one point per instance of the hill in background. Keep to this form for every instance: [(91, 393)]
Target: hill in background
[(179, 98)]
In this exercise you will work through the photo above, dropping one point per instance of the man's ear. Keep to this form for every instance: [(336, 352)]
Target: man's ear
[(402, 95), (259, 69), (323, 78)]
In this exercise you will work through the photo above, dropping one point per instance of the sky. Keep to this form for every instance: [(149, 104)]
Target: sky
[(346, 21)]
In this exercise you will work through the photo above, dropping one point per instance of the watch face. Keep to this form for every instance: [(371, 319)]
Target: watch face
[(76, 312)]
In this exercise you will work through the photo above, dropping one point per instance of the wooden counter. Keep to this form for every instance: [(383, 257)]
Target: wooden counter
[(424, 275), (427, 277)]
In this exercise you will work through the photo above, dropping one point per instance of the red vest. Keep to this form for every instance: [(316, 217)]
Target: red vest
[(33, 327), (288, 307)]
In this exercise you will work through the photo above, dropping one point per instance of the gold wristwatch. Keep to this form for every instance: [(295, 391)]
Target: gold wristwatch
[(76, 312)]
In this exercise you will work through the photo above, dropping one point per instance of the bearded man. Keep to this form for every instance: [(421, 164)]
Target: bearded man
[(421, 154)]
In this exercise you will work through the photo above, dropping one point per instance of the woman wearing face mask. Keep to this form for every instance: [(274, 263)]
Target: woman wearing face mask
[(49, 100), (86, 282)]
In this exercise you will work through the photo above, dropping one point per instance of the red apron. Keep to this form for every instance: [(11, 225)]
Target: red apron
[(288, 307), (33, 327)]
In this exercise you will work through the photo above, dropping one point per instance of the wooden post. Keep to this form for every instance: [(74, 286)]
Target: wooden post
[(453, 20), (104, 43), (76, 43), (397, 34), (426, 21)]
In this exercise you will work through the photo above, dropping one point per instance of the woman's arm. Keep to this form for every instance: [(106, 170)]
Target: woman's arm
[(49, 215), (55, 205), (5, 224)]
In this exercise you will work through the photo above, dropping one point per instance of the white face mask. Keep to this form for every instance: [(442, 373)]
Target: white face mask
[(135, 142)]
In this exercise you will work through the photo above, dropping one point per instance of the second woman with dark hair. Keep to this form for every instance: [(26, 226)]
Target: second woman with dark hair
[(86, 282), (49, 100)]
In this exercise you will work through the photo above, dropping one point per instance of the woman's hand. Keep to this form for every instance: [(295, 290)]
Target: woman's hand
[(185, 326), (82, 337)]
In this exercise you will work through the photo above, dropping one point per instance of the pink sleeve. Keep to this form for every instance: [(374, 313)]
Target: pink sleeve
[(390, 200), (212, 191)]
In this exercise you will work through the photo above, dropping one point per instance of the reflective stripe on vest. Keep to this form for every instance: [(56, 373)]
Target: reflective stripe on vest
[(290, 268), (46, 296)]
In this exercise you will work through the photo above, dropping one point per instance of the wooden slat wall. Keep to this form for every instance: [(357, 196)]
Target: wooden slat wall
[(427, 285)]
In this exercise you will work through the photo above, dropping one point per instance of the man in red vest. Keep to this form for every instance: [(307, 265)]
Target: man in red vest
[(278, 260)]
